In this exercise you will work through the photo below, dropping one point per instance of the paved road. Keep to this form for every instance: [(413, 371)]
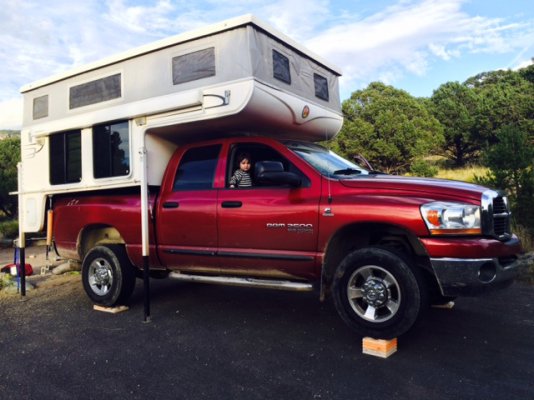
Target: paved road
[(214, 342)]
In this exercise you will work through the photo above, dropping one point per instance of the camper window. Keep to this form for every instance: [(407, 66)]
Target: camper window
[(111, 150), (97, 91), (193, 66), (40, 107), (321, 87), (281, 67), (65, 157)]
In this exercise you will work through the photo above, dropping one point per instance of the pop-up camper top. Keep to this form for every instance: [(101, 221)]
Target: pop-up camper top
[(103, 125)]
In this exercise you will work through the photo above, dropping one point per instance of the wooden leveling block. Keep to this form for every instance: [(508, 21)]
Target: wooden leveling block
[(447, 306), (379, 347), (111, 310)]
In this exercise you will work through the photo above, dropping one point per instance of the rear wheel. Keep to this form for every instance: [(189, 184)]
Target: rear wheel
[(377, 293), (107, 275)]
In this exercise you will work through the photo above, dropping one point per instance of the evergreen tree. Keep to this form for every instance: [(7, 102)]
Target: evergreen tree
[(389, 127), (9, 157)]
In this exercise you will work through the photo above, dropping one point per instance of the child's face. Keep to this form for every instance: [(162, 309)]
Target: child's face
[(244, 165)]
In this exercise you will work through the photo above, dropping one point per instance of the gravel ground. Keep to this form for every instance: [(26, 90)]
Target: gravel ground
[(215, 342)]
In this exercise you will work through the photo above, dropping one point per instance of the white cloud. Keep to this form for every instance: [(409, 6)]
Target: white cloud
[(151, 20), (297, 18), (11, 113), (440, 51), (410, 34), (523, 64)]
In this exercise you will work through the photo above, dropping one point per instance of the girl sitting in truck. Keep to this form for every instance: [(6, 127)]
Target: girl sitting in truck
[(241, 177)]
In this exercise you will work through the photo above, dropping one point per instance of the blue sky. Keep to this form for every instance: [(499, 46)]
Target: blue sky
[(415, 45)]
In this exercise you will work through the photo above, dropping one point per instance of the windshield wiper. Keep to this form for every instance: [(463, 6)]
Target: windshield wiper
[(347, 171)]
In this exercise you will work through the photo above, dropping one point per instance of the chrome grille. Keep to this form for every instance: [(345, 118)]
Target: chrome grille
[(495, 215), (499, 205)]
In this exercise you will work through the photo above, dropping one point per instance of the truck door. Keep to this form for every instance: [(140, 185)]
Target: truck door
[(186, 220), (267, 230)]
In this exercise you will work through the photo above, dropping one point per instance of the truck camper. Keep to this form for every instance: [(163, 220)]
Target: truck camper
[(83, 130), (134, 155)]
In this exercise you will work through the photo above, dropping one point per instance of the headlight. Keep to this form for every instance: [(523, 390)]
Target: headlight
[(447, 218)]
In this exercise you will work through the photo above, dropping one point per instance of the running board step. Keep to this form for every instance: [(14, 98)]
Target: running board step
[(248, 282)]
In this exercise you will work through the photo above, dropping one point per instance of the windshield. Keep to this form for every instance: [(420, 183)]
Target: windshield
[(325, 161)]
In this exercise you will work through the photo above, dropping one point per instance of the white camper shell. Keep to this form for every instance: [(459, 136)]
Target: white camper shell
[(116, 123)]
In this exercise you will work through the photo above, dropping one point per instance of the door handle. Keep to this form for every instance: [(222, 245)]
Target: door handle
[(171, 204), (231, 204)]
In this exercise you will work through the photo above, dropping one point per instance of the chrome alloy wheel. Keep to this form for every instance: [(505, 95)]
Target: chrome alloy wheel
[(373, 293), (100, 276)]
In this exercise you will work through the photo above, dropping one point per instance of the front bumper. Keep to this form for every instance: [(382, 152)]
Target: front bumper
[(471, 277)]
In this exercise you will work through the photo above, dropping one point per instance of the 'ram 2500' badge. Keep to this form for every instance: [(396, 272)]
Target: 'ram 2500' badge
[(296, 228)]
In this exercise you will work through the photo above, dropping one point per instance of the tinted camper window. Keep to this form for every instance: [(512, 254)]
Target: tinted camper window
[(65, 157), (111, 150), (97, 91), (321, 87), (40, 107), (281, 67), (193, 66)]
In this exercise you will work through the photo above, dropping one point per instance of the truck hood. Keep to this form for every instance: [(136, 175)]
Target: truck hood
[(420, 186)]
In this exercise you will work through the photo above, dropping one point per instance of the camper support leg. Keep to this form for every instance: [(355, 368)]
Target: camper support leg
[(146, 287), (144, 231), (22, 269), (22, 236)]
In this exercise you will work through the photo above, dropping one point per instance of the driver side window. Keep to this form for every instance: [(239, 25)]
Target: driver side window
[(256, 153)]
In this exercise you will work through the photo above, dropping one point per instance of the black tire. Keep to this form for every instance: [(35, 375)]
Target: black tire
[(377, 294), (107, 275)]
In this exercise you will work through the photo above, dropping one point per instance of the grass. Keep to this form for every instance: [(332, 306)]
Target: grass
[(527, 240), (466, 174), (5, 280)]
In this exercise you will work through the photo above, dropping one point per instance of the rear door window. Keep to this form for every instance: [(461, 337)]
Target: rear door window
[(197, 168)]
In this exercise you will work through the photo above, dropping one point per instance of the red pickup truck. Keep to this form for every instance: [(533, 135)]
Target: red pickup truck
[(382, 246)]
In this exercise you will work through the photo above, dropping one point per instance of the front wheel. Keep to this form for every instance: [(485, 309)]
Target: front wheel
[(107, 275), (377, 293)]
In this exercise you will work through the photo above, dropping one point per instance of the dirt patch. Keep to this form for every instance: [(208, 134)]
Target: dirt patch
[(41, 287), (42, 283)]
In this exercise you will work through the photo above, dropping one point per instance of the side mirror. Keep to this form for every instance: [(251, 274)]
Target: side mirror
[(272, 173)]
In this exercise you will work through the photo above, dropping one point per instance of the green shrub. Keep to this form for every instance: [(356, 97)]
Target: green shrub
[(527, 239), (423, 168), (9, 157), (510, 161), (5, 280), (9, 229)]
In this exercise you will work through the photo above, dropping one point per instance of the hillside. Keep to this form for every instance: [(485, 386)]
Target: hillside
[(8, 133)]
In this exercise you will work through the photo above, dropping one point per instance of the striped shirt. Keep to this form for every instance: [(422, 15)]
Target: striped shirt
[(241, 179)]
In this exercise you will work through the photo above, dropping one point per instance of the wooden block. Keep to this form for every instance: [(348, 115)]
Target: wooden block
[(111, 310), (447, 306), (379, 347)]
